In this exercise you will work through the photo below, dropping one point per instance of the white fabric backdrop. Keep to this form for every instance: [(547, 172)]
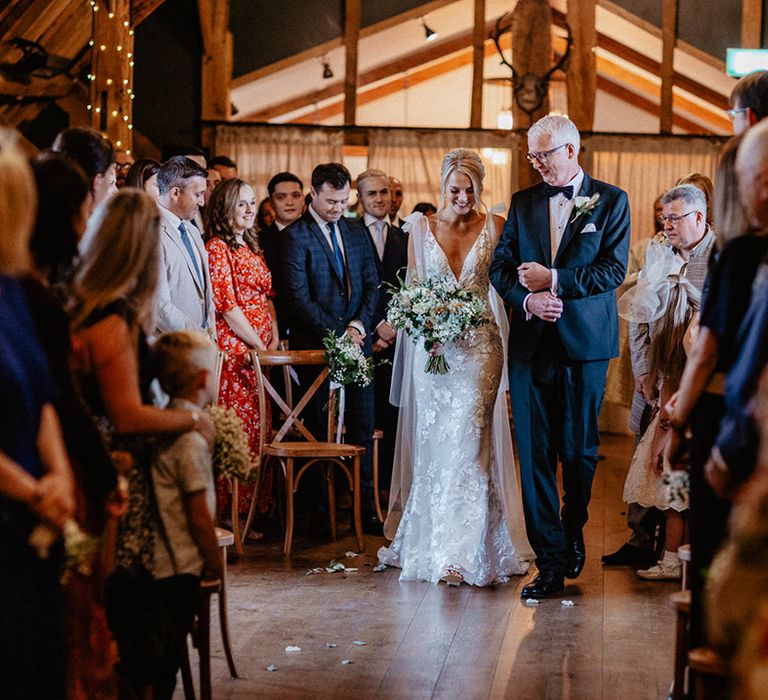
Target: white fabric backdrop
[(261, 152), (415, 157), (647, 166)]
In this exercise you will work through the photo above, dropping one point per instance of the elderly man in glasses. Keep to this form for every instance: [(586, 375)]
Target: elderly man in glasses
[(749, 101), (561, 256)]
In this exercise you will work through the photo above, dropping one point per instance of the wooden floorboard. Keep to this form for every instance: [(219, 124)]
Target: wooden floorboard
[(426, 641)]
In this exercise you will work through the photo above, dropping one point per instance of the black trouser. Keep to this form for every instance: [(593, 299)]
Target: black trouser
[(386, 417), (181, 595), (556, 403), (359, 422), (709, 513)]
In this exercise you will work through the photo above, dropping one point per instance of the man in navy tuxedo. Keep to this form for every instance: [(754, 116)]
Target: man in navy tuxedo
[(562, 254), (390, 245), (330, 282)]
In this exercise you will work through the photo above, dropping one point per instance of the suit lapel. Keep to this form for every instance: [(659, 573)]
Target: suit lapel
[(323, 243), (538, 216), (176, 240), (587, 190), (350, 259)]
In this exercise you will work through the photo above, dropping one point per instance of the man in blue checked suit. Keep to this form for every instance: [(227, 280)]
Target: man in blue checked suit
[(561, 256), (329, 280)]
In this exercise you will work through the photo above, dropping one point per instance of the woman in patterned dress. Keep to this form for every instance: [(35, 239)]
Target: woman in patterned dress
[(245, 314)]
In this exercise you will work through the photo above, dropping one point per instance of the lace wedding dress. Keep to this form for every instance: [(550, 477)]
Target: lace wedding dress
[(455, 501)]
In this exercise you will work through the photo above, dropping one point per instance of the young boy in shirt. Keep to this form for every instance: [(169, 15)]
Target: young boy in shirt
[(182, 477)]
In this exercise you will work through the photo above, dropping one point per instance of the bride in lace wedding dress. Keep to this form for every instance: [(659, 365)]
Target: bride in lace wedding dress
[(455, 512)]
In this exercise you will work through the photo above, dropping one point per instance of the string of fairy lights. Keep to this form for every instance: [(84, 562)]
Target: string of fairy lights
[(127, 82)]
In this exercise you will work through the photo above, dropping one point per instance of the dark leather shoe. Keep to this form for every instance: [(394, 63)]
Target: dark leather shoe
[(373, 526), (575, 555), (546, 584), (629, 555)]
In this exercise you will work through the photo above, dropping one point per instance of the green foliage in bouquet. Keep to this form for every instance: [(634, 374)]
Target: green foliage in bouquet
[(347, 364)]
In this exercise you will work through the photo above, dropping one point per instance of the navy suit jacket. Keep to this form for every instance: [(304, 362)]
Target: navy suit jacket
[(739, 436), (315, 297), (590, 266), (393, 263)]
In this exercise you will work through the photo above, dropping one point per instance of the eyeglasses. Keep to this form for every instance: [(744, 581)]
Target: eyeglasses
[(543, 156), (674, 220), (733, 113)]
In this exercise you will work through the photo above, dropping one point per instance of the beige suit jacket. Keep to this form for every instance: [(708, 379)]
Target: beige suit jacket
[(182, 304)]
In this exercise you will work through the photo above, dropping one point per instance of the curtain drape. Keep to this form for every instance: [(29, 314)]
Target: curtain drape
[(415, 157), (647, 166), (262, 151)]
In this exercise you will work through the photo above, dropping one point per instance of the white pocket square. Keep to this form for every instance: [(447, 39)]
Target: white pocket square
[(589, 228)]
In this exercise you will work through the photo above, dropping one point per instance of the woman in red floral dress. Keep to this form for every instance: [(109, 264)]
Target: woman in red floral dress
[(245, 315)]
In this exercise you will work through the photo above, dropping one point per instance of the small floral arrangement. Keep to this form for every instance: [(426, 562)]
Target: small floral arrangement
[(676, 488), (79, 547), (347, 364), (232, 456), (584, 205), (438, 311)]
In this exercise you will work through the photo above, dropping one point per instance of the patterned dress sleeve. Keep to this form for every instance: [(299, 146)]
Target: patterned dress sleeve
[(222, 276)]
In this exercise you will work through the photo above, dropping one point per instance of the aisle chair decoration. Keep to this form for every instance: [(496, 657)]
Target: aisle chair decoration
[(347, 364), (310, 451)]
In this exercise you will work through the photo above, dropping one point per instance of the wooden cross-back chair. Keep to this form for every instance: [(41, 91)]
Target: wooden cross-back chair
[(306, 452)]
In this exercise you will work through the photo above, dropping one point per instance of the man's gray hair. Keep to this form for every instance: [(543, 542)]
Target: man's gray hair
[(560, 129), (690, 194), (371, 172), (176, 171)]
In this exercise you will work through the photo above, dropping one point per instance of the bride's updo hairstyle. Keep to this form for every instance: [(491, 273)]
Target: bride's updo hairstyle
[(470, 164)]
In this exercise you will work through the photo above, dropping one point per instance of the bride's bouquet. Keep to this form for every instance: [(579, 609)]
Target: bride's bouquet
[(438, 311)]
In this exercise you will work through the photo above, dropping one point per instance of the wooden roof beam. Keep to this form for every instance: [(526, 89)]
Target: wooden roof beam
[(141, 9), (463, 41)]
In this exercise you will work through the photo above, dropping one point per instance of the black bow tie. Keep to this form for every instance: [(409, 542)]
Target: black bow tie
[(566, 191)]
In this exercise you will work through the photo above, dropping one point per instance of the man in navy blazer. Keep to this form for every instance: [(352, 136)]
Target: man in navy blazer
[(329, 279), (562, 254)]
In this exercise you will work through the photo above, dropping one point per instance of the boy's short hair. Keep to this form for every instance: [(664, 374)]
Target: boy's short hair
[(178, 357)]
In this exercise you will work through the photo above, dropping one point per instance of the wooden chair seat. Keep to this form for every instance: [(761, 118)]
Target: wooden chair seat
[(707, 661), (710, 674), (312, 449), (328, 455)]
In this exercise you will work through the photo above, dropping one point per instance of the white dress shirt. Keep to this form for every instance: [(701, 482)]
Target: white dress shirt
[(191, 229), (326, 227), (371, 222), (560, 210)]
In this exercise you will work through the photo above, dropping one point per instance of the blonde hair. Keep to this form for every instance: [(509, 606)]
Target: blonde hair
[(467, 162), (366, 174), (124, 260), (178, 357), (731, 220), (18, 203)]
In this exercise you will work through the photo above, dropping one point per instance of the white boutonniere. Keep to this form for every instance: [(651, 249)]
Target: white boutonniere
[(584, 205)]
